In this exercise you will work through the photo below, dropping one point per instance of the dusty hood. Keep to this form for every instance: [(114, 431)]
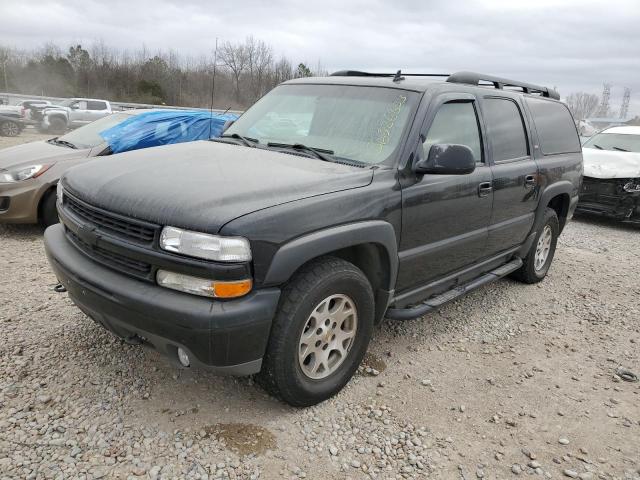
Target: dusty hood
[(610, 164), (203, 185), (38, 152)]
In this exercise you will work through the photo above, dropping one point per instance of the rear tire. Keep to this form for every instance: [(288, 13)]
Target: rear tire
[(48, 210), (320, 332), (57, 126), (9, 129), (538, 260)]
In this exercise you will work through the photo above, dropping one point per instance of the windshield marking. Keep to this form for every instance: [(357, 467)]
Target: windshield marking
[(388, 121)]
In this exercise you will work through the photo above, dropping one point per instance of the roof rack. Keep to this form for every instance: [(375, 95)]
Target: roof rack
[(469, 78), (473, 78), (396, 76)]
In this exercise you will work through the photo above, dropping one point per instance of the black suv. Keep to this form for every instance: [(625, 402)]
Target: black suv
[(329, 205)]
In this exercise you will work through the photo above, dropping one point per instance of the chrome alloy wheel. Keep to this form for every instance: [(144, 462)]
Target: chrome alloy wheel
[(10, 129), (543, 248), (327, 336)]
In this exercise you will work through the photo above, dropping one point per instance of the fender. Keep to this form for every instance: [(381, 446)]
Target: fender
[(555, 189), (294, 254)]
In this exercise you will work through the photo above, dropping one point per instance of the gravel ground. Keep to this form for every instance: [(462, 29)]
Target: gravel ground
[(510, 381)]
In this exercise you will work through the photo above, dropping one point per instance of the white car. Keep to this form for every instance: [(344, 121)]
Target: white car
[(611, 184)]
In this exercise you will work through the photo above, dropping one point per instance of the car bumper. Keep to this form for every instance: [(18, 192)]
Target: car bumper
[(228, 337), (19, 201)]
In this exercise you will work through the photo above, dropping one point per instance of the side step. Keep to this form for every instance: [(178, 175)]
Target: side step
[(436, 302)]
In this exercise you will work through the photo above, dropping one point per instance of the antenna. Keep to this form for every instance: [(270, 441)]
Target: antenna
[(213, 85)]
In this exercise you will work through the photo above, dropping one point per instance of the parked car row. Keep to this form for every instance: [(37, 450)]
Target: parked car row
[(51, 118)]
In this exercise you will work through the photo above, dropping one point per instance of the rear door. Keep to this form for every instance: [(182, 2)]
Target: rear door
[(515, 173), (96, 109), (445, 217)]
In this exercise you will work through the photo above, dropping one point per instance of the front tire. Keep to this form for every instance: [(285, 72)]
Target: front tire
[(320, 332), (538, 260), (57, 126), (48, 210)]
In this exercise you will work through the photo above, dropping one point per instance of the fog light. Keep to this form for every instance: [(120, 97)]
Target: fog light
[(183, 357)]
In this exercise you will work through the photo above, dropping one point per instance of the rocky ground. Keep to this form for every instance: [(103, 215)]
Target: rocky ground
[(510, 382)]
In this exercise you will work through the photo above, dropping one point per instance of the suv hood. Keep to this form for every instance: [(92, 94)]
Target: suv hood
[(203, 185), (38, 152), (609, 164)]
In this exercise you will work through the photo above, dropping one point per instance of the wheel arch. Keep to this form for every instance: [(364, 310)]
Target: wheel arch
[(557, 197), (369, 245), (50, 190)]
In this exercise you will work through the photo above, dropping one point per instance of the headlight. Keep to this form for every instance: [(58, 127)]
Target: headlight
[(17, 174), (202, 245), (203, 286)]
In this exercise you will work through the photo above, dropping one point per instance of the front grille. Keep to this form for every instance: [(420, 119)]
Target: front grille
[(118, 225), (111, 259)]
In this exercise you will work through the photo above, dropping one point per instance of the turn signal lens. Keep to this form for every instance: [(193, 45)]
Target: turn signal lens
[(231, 289), (203, 286)]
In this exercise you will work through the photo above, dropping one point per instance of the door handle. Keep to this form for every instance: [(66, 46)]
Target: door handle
[(530, 181), (484, 189)]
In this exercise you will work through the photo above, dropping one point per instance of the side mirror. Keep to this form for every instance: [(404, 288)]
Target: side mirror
[(227, 124), (447, 159), (75, 106)]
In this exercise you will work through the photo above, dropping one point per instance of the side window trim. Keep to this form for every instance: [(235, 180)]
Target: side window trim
[(455, 97), (526, 128)]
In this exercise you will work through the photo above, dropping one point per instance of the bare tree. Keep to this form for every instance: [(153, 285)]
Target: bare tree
[(235, 57), (582, 105), (5, 55)]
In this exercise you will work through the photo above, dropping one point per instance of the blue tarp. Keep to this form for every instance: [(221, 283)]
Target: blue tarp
[(164, 127)]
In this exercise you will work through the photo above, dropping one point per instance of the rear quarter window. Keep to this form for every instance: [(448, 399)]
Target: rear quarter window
[(554, 124), (93, 105)]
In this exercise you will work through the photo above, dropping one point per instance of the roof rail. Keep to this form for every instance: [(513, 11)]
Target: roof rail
[(396, 76), (473, 78)]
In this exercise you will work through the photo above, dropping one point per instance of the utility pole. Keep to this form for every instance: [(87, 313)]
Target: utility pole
[(626, 99), (603, 111)]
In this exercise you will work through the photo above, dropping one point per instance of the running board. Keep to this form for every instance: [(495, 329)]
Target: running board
[(436, 302)]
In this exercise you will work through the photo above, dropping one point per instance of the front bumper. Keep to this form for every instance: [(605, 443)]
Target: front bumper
[(608, 198), (229, 337), (19, 201)]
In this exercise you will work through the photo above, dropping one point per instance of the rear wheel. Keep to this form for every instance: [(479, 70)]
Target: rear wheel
[(9, 129), (48, 210), (320, 332), (538, 260)]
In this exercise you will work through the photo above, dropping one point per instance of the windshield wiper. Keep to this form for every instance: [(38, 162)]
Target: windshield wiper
[(247, 141), (318, 152), (620, 149), (57, 141), (598, 147)]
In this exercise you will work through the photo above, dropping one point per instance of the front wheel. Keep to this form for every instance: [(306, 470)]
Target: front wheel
[(320, 332), (538, 260), (57, 126), (9, 129)]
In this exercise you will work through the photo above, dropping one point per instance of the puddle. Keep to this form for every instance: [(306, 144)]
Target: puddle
[(244, 438), (371, 364)]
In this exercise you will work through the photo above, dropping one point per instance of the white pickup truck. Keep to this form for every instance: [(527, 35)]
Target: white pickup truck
[(72, 113)]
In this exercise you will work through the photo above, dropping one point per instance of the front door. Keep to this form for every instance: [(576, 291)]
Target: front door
[(515, 173), (445, 217)]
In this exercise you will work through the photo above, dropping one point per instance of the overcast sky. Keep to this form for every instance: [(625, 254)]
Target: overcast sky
[(574, 45)]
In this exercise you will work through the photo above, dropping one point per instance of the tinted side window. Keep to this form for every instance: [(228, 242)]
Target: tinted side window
[(455, 123), (92, 105), (505, 129), (555, 127)]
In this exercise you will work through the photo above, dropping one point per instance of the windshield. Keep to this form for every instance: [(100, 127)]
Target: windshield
[(357, 123), (618, 142), (88, 136)]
